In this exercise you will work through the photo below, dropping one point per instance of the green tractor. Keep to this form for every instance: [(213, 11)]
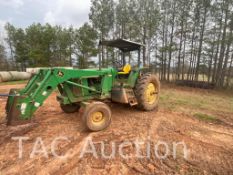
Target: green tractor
[(87, 89)]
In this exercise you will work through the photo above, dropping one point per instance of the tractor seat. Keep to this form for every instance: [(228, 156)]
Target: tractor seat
[(125, 70)]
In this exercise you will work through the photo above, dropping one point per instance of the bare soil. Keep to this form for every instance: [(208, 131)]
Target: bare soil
[(210, 145)]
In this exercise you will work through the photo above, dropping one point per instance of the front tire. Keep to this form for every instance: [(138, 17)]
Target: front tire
[(97, 116), (147, 92), (70, 108)]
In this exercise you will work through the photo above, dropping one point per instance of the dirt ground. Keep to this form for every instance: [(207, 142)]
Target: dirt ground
[(209, 143)]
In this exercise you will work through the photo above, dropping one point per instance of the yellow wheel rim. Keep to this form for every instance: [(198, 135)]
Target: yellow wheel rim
[(151, 93), (97, 117)]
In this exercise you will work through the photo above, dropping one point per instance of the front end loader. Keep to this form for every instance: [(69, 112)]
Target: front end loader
[(87, 89)]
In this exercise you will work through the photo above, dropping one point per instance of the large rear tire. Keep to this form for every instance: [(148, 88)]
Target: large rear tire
[(147, 92), (70, 108), (96, 116)]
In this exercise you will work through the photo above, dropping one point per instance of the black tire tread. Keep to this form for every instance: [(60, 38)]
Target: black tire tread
[(140, 89), (71, 108), (92, 107)]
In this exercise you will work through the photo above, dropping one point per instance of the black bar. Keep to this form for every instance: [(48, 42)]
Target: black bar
[(7, 95), (100, 60), (139, 57)]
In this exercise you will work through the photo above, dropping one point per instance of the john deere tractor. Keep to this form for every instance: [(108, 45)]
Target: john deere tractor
[(87, 89)]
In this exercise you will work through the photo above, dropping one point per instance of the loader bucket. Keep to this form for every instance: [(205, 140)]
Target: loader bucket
[(13, 109)]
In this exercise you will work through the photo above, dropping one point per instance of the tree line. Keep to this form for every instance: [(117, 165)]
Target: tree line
[(184, 39), (45, 45)]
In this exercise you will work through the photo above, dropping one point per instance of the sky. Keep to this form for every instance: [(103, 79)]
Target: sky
[(23, 13)]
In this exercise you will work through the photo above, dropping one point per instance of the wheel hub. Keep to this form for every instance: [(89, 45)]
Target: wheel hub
[(97, 117), (151, 93)]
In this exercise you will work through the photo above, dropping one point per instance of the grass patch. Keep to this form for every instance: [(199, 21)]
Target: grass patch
[(190, 100), (14, 82), (173, 100), (205, 117)]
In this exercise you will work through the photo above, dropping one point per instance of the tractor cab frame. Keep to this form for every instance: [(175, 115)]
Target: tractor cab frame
[(125, 46)]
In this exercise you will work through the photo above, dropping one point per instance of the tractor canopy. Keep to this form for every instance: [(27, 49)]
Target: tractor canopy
[(122, 44)]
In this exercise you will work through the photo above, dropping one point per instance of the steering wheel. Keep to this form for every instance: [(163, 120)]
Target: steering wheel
[(117, 64)]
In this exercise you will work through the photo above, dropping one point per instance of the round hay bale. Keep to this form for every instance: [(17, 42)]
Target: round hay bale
[(33, 70), (6, 76), (15, 75), (25, 75), (20, 75)]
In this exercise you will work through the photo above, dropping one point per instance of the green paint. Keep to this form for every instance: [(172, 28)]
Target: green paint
[(74, 85)]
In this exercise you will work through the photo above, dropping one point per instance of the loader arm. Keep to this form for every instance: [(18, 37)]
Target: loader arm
[(22, 104)]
